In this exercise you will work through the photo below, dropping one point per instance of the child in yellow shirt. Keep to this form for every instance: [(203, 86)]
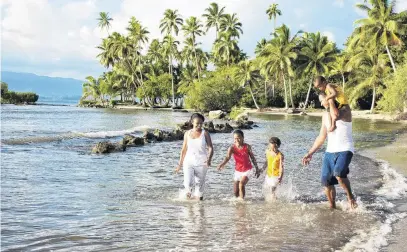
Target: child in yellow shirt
[(274, 165)]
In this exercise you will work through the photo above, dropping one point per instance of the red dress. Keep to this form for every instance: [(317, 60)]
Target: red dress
[(242, 158)]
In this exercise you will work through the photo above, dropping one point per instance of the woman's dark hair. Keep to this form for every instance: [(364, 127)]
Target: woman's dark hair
[(275, 140), (320, 79), (197, 115), (239, 132)]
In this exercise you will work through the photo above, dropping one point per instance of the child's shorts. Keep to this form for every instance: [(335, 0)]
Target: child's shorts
[(239, 175), (271, 181)]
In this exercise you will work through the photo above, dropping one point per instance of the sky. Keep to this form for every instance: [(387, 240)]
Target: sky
[(58, 38)]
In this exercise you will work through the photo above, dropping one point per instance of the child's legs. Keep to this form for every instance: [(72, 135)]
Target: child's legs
[(236, 188), (333, 110), (242, 186), (200, 174)]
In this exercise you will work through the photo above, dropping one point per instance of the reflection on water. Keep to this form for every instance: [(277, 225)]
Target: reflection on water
[(55, 195)]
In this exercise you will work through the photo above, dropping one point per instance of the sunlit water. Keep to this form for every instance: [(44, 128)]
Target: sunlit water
[(55, 195)]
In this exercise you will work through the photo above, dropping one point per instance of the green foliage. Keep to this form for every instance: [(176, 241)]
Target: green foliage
[(19, 97), (4, 88), (156, 86), (235, 112), (218, 90), (395, 94)]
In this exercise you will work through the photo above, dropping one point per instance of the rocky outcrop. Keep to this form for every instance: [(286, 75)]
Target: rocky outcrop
[(217, 114), (108, 147), (131, 141)]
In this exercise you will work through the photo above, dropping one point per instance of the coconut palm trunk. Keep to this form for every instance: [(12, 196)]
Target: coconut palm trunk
[(285, 93), (291, 94), (343, 82), (391, 58), (308, 93), (373, 99), (172, 80), (254, 99)]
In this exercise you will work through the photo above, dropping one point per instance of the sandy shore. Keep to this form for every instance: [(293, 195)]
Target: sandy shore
[(396, 154)]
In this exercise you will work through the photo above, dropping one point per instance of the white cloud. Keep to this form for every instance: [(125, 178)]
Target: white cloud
[(339, 3), (401, 5), (330, 35)]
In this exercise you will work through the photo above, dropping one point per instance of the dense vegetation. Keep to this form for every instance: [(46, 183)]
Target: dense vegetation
[(372, 65), (11, 97)]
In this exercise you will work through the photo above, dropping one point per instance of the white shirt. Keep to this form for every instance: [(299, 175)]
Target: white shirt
[(341, 138)]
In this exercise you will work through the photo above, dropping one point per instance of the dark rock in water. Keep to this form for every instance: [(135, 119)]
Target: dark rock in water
[(107, 147), (208, 126), (250, 122), (130, 140), (223, 128), (255, 126), (149, 137), (184, 126)]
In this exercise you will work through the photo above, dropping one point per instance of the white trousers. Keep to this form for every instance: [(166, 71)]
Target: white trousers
[(194, 176)]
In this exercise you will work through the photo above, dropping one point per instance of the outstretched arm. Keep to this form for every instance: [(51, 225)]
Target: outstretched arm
[(210, 148), (226, 160), (183, 152), (332, 92), (319, 141)]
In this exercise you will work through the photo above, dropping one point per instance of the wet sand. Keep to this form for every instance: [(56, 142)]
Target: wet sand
[(396, 155)]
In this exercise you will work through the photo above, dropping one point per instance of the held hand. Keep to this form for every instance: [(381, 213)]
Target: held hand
[(306, 159), (178, 169), (258, 172), (220, 167), (280, 179)]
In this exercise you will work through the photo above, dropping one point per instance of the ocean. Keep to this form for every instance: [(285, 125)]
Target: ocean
[(56, 195)]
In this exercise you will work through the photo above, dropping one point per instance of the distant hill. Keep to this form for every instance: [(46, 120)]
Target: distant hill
[(44, 86)]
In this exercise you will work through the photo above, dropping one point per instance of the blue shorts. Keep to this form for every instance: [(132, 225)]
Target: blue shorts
[(335, 165)]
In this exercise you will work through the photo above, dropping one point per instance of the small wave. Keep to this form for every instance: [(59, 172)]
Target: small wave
[(394, 184), (67, 136), (113, 133), (375, 238)]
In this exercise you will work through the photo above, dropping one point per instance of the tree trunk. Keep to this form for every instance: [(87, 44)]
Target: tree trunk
[(291, 95), (272, 87), (343, 83), (391, 58), (172, 81), (133, 97), (309, 91), (285, 93), (254, 99), (196, 60), (265, 91), (373, 99)]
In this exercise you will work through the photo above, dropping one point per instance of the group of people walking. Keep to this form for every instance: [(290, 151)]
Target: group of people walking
[(197, 152)]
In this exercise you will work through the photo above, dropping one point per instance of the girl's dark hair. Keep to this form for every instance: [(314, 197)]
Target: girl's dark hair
[(197, 115), (239, 132), (275, 140), (320, 79)]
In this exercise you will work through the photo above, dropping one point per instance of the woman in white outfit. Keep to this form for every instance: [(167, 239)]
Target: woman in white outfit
[(196, 156)]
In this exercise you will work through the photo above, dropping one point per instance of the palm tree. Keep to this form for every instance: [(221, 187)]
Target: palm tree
[(260, 46), (154, 51), (277, 58), (104, 21), (382, 27), (193, 28), (247, 75), (170, 48), (138, 34), (340, 66), (171, 22), (372, 68), (230, 24), (272, 12), (315, 56), (213, 17), (224, 49), (92, 88), (106, 57)]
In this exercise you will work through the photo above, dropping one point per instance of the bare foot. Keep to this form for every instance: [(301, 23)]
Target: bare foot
[(332, 206), (353, 204), (189, 195)]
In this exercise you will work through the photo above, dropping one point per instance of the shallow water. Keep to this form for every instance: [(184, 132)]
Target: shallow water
[(56, 195)]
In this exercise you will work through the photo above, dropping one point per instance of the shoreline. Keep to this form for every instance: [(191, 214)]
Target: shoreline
[(360, 114), (395, 154)]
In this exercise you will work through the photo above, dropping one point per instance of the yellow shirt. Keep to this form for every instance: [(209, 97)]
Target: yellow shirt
[(273, 164), (340, 95)]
